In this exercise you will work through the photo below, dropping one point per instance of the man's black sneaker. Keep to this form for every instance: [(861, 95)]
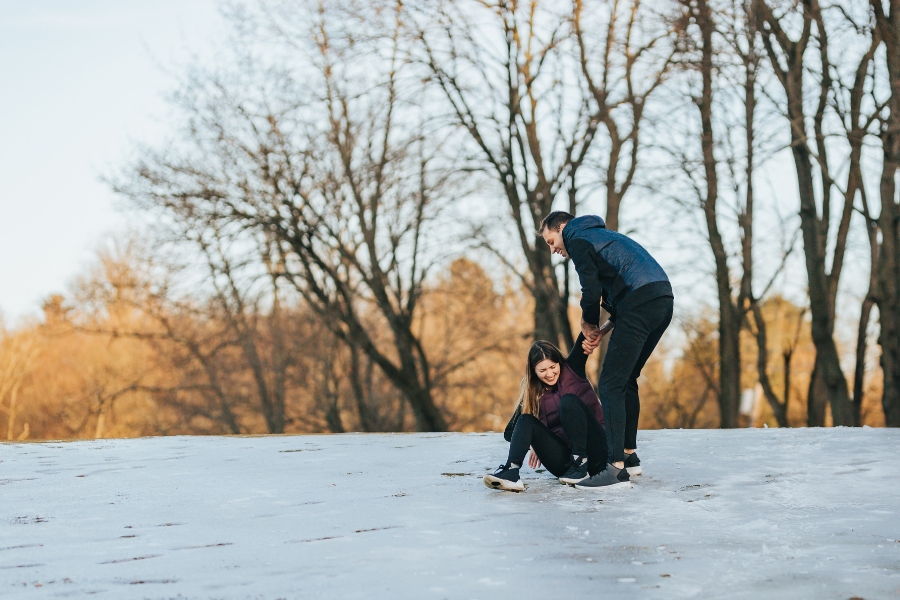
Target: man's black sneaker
[(576, 473), (609, 478), (505, 478), (633, 464)]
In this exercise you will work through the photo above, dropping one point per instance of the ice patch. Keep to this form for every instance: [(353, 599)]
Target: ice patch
[(230, 517)]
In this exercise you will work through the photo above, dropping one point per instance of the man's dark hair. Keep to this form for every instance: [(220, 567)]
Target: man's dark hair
[(555, 221)]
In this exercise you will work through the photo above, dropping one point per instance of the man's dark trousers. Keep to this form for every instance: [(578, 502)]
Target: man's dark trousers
[(636, 334)]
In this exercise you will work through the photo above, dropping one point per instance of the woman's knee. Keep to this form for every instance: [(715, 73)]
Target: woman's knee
[(527, 420)]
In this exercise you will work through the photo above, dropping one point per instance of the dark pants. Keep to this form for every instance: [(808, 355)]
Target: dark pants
[(584, 432), (635, 336)]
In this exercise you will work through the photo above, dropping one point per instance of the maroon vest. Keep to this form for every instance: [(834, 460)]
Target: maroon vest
[(568, 383)]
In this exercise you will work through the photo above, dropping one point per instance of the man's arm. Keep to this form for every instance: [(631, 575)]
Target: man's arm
[(584, 257)]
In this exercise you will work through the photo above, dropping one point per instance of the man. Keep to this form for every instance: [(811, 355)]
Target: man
[(620, 274)]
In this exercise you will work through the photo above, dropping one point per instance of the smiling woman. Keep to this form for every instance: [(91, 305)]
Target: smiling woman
[(560, 418)]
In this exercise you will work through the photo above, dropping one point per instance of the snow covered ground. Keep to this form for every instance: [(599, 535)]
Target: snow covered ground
[(718, 514)]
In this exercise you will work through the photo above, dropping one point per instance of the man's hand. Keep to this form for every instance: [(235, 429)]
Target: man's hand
[(589, 330), (592, 343), (533, 461)]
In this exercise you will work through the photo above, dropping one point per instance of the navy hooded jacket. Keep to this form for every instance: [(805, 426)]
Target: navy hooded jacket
[(612, 268)]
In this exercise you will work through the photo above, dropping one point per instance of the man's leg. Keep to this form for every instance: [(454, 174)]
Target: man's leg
[(587, 437), (661, 309), (626, 346), (597, 446), (574, 422)]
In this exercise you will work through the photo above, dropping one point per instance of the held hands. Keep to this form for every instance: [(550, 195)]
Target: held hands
[(593, 335), (533, 461)]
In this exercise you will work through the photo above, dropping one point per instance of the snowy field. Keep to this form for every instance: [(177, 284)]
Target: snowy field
[(718, 514)]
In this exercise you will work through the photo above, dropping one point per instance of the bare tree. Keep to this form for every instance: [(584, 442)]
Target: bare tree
[(502, 68), (625, 54), (196, 338), (700, 14), (335, 169), (716, 46), (799, 56), (887, 254)]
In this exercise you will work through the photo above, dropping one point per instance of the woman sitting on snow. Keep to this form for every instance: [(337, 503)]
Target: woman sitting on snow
[(560, 418)]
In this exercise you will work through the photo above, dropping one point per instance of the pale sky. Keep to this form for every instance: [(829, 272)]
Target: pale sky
[(79, 82)]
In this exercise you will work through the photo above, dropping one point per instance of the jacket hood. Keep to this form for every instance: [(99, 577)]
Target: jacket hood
[(581, 224)]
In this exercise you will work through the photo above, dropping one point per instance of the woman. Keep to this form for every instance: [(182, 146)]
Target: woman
[(560, 418)]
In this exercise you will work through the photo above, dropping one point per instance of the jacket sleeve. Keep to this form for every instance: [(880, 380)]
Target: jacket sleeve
[(585, 260), (507, 433), (577, 359)]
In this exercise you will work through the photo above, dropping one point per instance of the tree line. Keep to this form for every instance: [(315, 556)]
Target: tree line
[(343, 218)]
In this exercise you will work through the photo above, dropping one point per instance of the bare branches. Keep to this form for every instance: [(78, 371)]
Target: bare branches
[(341, 191), (635, 58)]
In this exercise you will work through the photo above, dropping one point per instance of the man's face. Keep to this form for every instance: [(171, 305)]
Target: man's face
[(554, 239)]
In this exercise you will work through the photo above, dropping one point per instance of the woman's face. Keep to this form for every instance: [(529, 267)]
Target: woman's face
[(547, 371)]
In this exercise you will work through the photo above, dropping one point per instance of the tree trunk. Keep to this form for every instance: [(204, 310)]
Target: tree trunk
[(428, 417), (729, 316), (366, 420), (333, 418), (613, 205), (888, 294), (413, 380), (827, 383), (729, 368), (889, 340), (762, 366), (860, 372)]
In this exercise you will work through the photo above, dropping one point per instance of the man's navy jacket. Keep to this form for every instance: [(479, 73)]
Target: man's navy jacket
[(612, 268)]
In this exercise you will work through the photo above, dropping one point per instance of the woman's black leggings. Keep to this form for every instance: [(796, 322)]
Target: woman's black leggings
[(584, 432)]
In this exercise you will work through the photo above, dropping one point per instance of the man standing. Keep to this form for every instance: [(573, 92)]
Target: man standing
[(620, 274)]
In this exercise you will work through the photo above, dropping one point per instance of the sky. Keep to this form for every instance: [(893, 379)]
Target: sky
[(80, 82)]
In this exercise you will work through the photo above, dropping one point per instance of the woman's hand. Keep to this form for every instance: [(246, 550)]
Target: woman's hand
[(533, 461), (589, 345)]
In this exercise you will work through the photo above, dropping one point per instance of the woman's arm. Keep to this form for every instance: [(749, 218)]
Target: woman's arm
[(577, 359), (507, 433)]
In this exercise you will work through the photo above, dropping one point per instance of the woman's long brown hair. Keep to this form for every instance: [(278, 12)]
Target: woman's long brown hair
[(532, 387)]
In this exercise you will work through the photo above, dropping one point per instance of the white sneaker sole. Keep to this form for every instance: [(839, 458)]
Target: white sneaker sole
[(574, 481), (495, 483), (635, 470), (622, 485)]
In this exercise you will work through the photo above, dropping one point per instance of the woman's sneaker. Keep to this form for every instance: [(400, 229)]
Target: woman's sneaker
[(633, 464), (505, 478), (609, 478), (576, 473)]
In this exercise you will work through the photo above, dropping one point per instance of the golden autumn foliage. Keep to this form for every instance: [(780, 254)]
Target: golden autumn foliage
[(123, 363), (116, 358)]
